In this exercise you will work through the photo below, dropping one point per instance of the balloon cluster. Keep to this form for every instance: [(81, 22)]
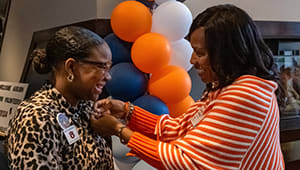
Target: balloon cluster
[(150, 56), (145, 43)]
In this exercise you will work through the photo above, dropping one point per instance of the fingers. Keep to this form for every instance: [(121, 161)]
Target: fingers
[(105, 125), (102, 106), (98, 115), (99, 105)]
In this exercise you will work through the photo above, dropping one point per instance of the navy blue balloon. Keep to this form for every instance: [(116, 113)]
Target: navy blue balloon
[(120, 49), (152, 104), (127, 83), (147, 3)]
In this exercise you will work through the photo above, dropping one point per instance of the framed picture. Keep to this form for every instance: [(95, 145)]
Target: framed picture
[(4, 9)]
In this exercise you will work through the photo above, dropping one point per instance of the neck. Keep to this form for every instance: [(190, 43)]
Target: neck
[(65, 91)]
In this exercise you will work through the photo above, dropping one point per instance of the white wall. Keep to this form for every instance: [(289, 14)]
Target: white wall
[(272, 10), (27, 16), (105, 7)]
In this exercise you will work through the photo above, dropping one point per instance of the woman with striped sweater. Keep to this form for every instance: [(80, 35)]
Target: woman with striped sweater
[(235, 125)]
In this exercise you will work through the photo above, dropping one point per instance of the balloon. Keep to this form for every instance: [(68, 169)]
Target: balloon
[(152, 104), (131, 19), (172, 19), (147, 3), (127, 82), (181, 54), (158, 2), (151, 52), (171, 84), (119, 48), (177, 109)]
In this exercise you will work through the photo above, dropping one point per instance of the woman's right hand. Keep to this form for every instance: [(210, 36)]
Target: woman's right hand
[(116, 108)]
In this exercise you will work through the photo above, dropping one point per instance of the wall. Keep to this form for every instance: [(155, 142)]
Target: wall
[(105, 7), (28, 16), (274, 10)]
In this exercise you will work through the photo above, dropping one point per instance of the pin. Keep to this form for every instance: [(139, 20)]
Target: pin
[(63, 120)]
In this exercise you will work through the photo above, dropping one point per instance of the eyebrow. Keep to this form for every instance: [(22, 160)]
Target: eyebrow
[(198, 48)]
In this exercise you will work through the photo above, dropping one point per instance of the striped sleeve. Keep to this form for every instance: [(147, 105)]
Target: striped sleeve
[(146, 149), (143, 121), (169, 129), (152, 125)]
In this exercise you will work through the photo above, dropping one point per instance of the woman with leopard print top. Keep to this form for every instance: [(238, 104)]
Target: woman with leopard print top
[(51, 130)]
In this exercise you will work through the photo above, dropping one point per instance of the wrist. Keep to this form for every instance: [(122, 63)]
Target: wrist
[(129, 107), (120, 128)]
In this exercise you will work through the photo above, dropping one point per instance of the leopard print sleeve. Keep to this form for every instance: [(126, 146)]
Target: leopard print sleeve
[(33, 140)]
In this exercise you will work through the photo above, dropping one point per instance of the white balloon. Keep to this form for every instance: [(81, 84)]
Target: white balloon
[(120, 150), (181, 54), (142, 165), (158, 2), (172, 19)]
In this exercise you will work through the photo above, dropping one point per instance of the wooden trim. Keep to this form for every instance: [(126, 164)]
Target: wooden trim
[(279, 29), (99, 26)]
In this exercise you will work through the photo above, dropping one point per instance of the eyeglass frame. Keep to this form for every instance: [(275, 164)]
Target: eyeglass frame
[(99, 65)]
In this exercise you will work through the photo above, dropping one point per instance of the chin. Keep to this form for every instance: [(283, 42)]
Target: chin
[(94, 98), (204, 80)]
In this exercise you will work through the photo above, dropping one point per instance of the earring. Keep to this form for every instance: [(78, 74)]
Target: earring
[(70, 77)]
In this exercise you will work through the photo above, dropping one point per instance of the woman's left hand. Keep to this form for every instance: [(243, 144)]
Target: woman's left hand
[(106, 125)]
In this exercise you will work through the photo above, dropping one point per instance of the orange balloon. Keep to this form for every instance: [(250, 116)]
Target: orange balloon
[(151, 52), (131, 19), (177, 109), (171, 84)]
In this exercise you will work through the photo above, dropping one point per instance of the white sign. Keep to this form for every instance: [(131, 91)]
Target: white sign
[(11, 95)]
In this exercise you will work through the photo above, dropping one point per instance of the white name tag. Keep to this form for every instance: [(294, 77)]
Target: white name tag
[(196, 119), (71, 134)]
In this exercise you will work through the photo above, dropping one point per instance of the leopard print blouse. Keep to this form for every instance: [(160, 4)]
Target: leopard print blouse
[(36, 141)]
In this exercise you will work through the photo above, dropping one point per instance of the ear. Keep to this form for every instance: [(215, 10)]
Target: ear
[(70, 65)]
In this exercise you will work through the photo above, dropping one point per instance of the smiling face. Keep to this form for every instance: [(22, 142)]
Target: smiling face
[(93, 73), (200, 58)]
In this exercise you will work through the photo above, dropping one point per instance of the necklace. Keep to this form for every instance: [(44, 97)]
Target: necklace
[(214, 84)]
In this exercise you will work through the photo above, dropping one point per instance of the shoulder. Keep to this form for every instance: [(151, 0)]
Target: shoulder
[(33, 114), (248, 94), (248, 85)]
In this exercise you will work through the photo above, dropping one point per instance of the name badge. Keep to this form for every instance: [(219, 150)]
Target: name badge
[(71, 134), (63, 120), (196, 119), (69, 130)]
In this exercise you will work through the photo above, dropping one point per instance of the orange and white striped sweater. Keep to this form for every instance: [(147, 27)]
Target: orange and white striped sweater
[(239, 129)]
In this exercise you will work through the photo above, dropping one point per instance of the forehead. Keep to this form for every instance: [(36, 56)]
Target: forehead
[(101, 52), (198, 38)]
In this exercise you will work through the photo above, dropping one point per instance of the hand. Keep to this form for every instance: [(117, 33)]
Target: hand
[(101, 107), (106, 125), (115, 107)]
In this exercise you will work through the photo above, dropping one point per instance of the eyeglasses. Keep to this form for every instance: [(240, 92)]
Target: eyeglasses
[(99, 65)]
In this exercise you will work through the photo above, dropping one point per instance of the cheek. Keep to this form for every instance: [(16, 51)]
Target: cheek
[(203, 61), (89, 78)]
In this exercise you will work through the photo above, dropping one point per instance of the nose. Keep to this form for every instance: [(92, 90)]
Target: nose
[(107, 76), (193, 58)]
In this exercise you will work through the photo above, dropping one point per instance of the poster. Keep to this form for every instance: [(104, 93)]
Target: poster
[(11, 95)]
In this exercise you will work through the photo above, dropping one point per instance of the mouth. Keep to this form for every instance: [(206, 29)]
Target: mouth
[(99, 88), (200, 71)]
